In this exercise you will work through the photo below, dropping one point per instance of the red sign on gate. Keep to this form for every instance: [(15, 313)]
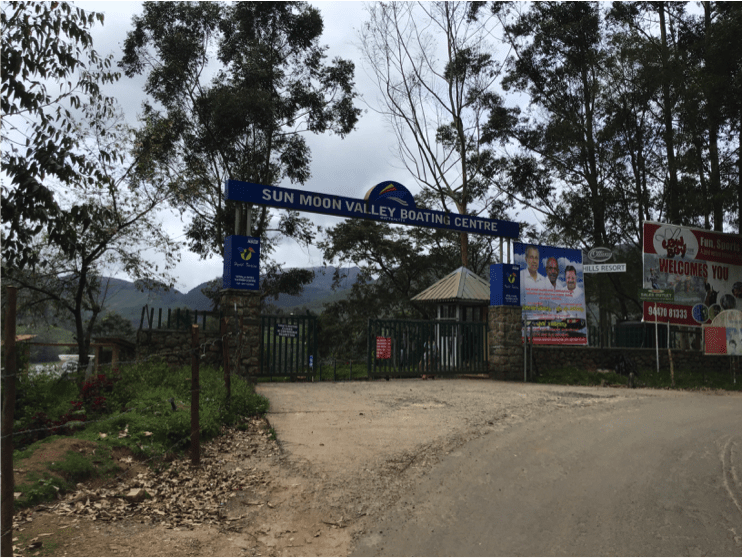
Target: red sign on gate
[(383, 347)]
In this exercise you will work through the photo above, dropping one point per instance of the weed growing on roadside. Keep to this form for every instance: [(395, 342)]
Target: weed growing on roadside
[(144, 408)]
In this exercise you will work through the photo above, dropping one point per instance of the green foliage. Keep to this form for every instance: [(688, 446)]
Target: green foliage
[(40, 489), (48, 67), (646, 378), (438, 105), (62, 474), (139, 416), (579, 377), (113, 324), (272, 85)]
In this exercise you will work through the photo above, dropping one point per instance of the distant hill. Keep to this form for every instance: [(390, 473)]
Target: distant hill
[(125, 299), (319, 291)]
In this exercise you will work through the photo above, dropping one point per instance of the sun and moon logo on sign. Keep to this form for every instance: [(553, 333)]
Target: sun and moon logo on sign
[(390, 191)]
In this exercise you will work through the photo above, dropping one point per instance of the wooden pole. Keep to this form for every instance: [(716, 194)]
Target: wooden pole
[(225, 360), (6, 460), (195, 429), (656, 340), (669, 356)]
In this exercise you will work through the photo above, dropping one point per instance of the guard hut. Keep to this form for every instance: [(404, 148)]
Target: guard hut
[(461, 296), (462, 300)]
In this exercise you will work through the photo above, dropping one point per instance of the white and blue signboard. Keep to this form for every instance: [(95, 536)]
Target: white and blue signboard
[(241, 263), (504, 285), (387, 201)]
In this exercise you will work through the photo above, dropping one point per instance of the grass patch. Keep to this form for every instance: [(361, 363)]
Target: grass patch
[(55, 465), (573, 376), (144, 408), (684, 379)]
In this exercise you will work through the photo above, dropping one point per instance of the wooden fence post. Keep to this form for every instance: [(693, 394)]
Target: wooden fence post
[(6, 446), (195, 389), (225, 360)]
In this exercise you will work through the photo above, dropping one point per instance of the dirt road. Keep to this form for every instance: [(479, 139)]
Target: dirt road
[(413, 467), (465, 467)]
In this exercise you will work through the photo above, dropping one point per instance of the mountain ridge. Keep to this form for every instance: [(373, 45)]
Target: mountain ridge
[(126, 299)]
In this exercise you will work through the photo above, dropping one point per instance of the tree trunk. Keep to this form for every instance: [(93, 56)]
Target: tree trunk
[(673, 196), (713, 125), (739, 180)]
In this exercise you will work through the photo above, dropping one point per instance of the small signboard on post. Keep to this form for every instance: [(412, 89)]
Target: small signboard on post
[(657, 295), (287, 330), (383, 347), (504, 285), (604, 268), (241, 263)]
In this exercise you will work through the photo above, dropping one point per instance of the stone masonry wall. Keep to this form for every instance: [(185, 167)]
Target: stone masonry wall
[(504, 342), (505, 348), (174, 346), (247, 305)]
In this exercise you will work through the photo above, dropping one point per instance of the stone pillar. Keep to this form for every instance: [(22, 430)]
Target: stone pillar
[(247, 305), (504, 342)]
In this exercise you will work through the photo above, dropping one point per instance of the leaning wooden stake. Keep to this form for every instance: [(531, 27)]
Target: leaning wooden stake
[(195, 429), (6, 447)]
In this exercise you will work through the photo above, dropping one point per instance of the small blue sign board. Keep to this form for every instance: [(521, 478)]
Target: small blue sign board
[(241, 263), (504, 285)]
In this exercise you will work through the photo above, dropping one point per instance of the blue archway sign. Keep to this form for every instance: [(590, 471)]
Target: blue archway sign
[(388, 201)]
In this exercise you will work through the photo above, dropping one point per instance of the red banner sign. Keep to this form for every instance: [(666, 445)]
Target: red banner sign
[(703, 269), (383, 347)]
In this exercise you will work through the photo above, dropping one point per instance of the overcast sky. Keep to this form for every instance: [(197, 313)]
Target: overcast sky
[(347, 167)]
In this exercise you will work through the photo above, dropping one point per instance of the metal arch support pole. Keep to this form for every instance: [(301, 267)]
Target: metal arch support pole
[(248, 224), (501, 250), (525, 351), (508, 241)]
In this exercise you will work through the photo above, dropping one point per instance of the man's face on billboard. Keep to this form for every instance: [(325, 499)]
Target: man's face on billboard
[(532, 260), (571, 280), (552, 270)]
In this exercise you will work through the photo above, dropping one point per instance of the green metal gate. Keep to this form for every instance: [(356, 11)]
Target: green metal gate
[(412, 348), (288, 346)]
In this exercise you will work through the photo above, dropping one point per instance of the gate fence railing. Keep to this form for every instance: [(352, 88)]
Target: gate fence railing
[(179, 318), (288, 346), (415, 347)]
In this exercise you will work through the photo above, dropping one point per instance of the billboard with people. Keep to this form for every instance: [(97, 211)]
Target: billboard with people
[(701, 269), (552, 294)]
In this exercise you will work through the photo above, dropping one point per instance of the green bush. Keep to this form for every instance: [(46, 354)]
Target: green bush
[(134, 407)]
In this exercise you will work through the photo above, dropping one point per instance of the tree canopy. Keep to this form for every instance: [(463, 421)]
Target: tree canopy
[(49, 68), (239, 85)]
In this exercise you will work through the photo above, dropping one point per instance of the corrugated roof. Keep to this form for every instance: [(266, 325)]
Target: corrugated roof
[(460, 286)]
